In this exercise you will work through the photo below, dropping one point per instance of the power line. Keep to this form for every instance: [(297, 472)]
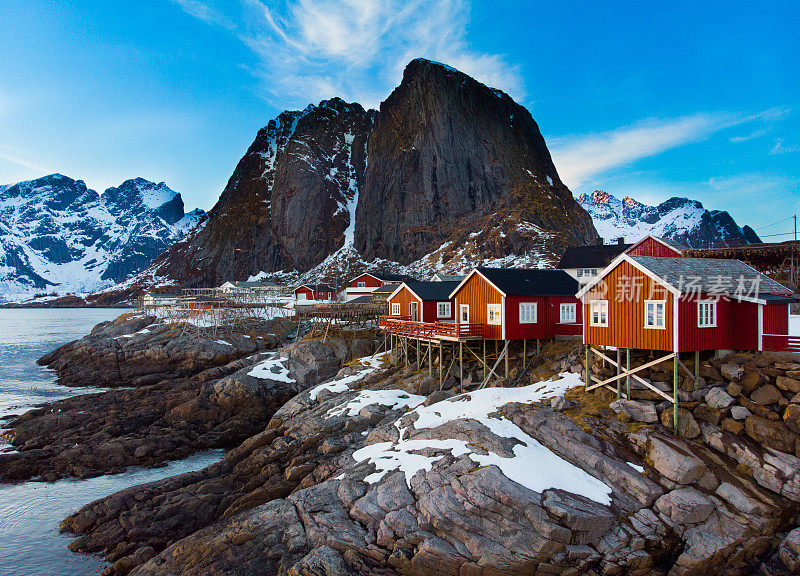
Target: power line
[(774, 223), (772, 235)]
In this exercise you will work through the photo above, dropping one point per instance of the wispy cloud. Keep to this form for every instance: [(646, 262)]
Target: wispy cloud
[(357, 49), (206, 12), (580, 158), (781, 148), (12, 156)]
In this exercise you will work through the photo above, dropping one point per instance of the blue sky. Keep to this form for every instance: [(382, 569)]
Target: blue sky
[(696, 99)]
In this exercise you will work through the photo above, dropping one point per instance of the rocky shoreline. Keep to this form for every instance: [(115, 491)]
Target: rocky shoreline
[(344, 466)]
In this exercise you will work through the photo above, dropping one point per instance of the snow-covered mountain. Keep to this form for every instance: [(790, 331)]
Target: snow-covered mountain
[(57, 235), (679, 219)]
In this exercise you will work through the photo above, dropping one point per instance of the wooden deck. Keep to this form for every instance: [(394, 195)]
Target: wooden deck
[(430, 331)]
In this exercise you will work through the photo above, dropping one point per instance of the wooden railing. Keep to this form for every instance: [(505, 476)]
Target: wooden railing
[(781, 343), (403, 326)]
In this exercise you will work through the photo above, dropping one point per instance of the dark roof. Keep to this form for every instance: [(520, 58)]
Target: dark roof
[(596, 256), (316, 287), (671, 243), (361, 300), (386, 288), (531, 282), (715, 276), (434, 290)]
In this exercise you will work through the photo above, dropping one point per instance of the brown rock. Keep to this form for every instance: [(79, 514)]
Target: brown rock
[(687, 425), (793, 374), (733, 389), (758, 409), (750, 381), (732, 426), (708, 414), (731, 371), (772, 434), (791, 417), (766, 395), (242, 538), (788, 384)]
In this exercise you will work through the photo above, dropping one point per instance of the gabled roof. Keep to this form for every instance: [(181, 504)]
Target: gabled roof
[(525, 281), (669, 243), (387, 288), (315, 287), (712, 276), (595, 256), (447, 277), (429, 291), (361, 300)]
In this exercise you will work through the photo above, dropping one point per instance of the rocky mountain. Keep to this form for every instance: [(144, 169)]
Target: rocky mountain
[(57, 235), (680, 219), (448, 171)]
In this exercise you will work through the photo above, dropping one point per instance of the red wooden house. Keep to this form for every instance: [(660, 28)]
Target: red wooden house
[(514, 304), (656, 246), (685, 304), (314, 292), (366, 283), (423, 301)]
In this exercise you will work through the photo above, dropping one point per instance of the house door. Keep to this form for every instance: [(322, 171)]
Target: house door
[(301, 296), (463, 315), (413, 311)]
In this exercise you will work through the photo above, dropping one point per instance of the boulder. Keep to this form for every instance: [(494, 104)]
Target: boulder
[(732, 426), (788, 384), (769, 433), (638, 410), (731, 371), (718, 398), (733, 389), (560, 404), (791, 416), (750, 381), (674, 463), (709, 414), (789, 551), (766, 395), (739, 412), (687, 425), (685, 506)]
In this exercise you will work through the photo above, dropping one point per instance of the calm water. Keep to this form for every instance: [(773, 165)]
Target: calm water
[(30, 543)]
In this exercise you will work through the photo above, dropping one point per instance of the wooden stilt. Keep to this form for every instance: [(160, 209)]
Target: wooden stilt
[(524, 352), (619, 369), (586, 366), (461, 363), (628, 377), (675, 388), (697, 369), (538, 346), (484, 359), (441, 368), (430, 360), (506, 349)]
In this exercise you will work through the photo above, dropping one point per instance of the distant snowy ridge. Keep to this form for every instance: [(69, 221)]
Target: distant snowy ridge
[(679, 219), (57, 235)]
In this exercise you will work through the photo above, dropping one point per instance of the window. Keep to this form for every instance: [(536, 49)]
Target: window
[(464, 314), (395, 308), (527, 312), (654, 312), (493, 314), (706, 314), (443, 310), (362, 284), (580, 272), (567, 313), (598, 313)]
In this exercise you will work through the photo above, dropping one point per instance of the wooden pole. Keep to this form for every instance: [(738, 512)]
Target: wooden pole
[(441, 368), (586, 366), (416, 349), (538, 345), (484, 359), (506, 352), (675, 388), (628, 377), (524, 352), (430, 360), (696, 369), (461, 362), (619, 369)]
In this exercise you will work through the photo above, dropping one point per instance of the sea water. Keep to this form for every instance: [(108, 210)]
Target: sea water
[(30, 542)]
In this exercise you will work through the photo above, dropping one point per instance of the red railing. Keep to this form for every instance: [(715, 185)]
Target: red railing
[(401, 326), (781, 343)]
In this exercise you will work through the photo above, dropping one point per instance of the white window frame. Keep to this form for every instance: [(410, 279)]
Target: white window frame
[(712, 313), (656, 304), (361, 285), (395, 308), (526, 318), (579, 273), (415, 306), (494, 317), (447, 307), (602, 311), (461, 309), (571, 316)]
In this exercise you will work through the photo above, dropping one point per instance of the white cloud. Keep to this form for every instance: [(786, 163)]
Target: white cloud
[(357, 49), (781, 148), (206, 12)]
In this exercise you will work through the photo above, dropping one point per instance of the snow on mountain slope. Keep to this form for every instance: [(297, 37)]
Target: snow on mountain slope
[(679, 219), (57, 235)]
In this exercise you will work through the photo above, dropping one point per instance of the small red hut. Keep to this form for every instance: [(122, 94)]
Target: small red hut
[(319, 292), (423, 301), (515, 304)]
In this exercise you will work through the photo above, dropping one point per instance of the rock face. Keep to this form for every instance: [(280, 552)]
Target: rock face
[(52, 226), (682, 220), (336, 184)]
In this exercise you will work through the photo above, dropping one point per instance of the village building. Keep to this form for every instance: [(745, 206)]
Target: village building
[(366, 283), (516, 304), (423, 301), (316, 292), (155, 300), (447, 277)]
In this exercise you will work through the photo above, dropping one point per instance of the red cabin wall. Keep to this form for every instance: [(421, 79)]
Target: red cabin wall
[(651, 247), (303, 290), (575, 329), (544, 327), (692, 338), (745, 325), (477, 293), (429, 311), (369, 281), (776, 319)]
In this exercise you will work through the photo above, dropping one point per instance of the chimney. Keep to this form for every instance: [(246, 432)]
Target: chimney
[(621, 240)]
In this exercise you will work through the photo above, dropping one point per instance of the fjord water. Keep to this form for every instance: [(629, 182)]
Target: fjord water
[(30, 513)]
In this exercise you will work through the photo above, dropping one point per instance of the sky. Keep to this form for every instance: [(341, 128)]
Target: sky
[(693, 99)]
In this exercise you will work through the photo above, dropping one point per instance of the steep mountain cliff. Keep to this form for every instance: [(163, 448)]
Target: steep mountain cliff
[(57, 235), (446, 163), (680, 219)]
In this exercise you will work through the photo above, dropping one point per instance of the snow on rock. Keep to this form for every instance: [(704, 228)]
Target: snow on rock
[(394, 399), (533, 465), (339, 385), (273, 368)]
